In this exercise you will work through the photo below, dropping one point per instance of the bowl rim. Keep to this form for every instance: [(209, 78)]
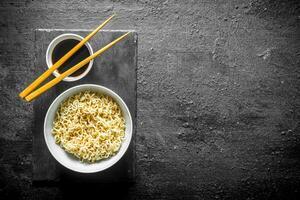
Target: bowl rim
[(58, 39), (119, 153)]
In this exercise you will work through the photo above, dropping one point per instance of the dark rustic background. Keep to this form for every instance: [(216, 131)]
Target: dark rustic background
[(218, 97)]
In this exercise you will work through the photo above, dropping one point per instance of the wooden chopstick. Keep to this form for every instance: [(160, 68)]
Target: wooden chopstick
[(55, 81), (63, 59)]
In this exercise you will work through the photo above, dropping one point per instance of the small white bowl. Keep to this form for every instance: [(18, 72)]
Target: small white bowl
[(55, 42), (71, 162)]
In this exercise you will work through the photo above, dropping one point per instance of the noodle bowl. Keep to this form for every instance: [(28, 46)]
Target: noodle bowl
[(89, 125)]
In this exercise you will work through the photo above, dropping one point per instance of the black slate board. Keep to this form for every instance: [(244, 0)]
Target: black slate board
[(115, 69)]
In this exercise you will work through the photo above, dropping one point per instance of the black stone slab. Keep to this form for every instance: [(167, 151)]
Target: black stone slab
[(115, 69)]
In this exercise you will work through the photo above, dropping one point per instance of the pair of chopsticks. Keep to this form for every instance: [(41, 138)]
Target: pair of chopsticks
[(28, 94)]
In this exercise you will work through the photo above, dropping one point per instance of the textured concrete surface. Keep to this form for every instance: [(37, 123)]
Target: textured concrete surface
[(218, 96)]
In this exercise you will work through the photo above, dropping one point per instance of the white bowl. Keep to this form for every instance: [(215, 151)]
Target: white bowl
[(70, 161), (55, 42)]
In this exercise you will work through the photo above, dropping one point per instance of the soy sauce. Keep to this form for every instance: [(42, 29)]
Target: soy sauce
[(64, 47)]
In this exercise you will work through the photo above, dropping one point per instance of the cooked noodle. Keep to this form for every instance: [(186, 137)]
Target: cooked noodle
[(90, 126)]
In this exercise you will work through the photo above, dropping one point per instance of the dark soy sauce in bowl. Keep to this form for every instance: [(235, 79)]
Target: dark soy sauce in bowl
[(64, 47)]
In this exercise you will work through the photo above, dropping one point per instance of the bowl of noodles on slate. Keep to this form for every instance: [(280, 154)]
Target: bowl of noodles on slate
[(88, 128)]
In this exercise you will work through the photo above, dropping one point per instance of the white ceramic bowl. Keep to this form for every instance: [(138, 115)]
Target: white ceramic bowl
[(70, 161), (55, 42)]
